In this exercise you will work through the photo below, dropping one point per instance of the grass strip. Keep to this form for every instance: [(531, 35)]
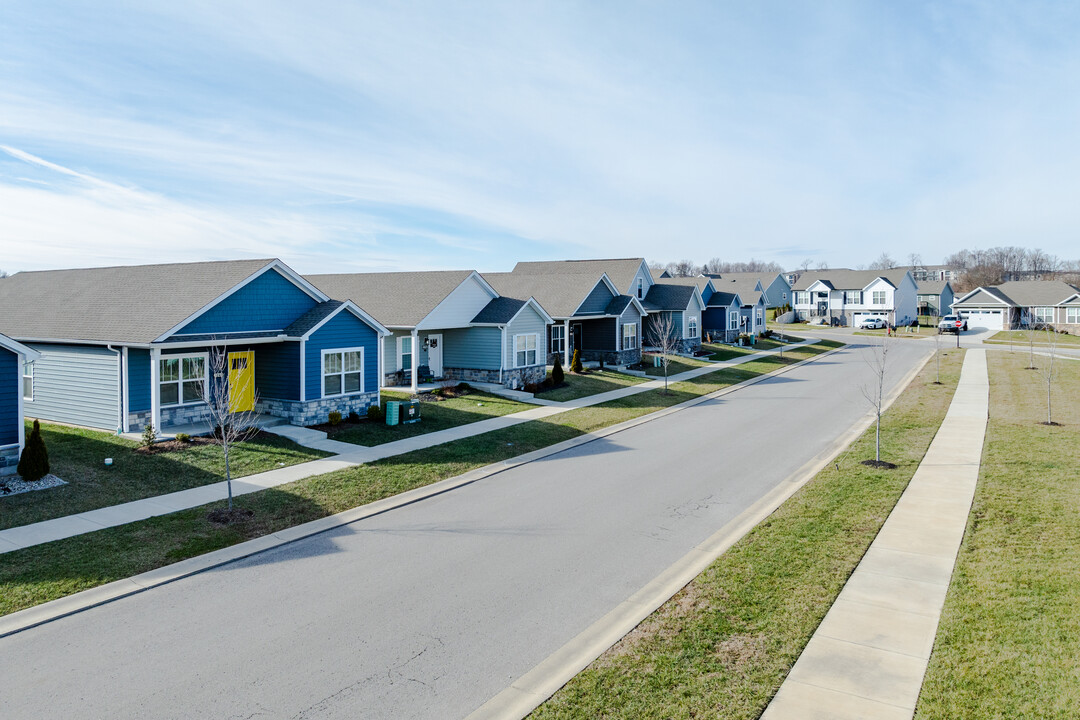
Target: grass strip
[(1008, 645), (592, 383), (45, 572), (1020, 337), (722, 646)]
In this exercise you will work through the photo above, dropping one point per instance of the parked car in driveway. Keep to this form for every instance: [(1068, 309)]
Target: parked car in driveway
[(952, 323), (872, 323)]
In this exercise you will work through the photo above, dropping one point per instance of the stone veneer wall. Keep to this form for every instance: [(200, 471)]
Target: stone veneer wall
[(9, 460), (312, 412), (513, 378), (612, 357)]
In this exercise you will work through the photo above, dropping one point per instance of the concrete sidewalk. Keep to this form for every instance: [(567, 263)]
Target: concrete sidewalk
[(25, 536), (869, 655)]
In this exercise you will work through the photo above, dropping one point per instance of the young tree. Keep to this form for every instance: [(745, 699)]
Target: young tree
[(230, 427), (1046, 369), (557, 374), (877, 359), (937, 356), (664, 335)]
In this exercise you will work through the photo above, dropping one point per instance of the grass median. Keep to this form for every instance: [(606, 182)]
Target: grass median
[(45, 572), (1008, 645), (722, 646)]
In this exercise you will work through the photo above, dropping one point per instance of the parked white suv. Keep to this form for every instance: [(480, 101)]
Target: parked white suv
[(949, 324)]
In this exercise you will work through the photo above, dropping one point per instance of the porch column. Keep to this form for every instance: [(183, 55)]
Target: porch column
[(415, 359), (155, 389), (566, 343)]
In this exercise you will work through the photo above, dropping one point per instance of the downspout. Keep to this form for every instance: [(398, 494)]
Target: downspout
[(155, 393), (126, 395), (502, 353), (120, 388)]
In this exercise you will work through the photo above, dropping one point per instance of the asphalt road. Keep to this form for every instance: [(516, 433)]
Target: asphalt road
[(429, 610)]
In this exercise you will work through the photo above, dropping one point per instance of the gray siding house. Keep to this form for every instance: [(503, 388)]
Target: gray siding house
[(677, 304), (16, 362), (776, 288), (121, 347), (935, 297), (1022, 304)]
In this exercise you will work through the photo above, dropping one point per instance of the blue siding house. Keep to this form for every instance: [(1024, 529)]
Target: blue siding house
[(16, 364), (122, 347)]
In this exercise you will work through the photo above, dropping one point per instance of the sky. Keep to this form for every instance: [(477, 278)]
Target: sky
[(369, 136)]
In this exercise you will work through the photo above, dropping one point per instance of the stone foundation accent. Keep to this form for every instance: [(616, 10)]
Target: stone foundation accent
[(315, 412), (612, 357), (518, 378), (9, 460), (183, 415), (138, 420), (513, 379)]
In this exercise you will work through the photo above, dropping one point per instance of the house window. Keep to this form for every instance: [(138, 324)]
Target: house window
[(343, 371), (524, 350), (405, 353), (1072, 315), (879, 297), (760, 317), (558, 338), (181, 379), (802, 298), (640, 288), (1044, 315), (629, 336), (691, 326), (28, 380), (853, 297), (733, 319)]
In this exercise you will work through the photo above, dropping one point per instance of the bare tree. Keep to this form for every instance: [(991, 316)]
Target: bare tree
[(877, 359), (937, 356), (664, 335), (227, 392), (1046, 369), (883, 262), (915, 260), (805, 264), (823, 265)]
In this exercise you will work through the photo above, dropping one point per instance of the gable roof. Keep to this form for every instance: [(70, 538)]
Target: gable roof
[(931, 287), (984, 295), (18, 348), (499, 311), (849, 279), (745, 287), (395, 299), (670, 296), (620, 270), (559, 294), (723, 299), (700, 282), (1022, 293), (122, 304)]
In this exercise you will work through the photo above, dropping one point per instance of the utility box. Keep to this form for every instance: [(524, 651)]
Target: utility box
[(410, 411), (657, 361), (393, 412)]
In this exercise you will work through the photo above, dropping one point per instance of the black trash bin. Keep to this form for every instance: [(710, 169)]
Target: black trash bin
[(410, 411)]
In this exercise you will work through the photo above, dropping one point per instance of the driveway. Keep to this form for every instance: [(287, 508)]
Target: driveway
[(429, 610)]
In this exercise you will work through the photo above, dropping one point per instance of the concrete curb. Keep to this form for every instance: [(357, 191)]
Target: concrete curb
[(71, 604), (537, 685)]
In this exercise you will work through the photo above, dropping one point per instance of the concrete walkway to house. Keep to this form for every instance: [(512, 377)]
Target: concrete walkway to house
[(349, 455), (869, 655)]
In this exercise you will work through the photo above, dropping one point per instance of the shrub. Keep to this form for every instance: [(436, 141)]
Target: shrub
[(557, 375), (149, 435), (354, 417), (575, 363), (601, 362), (374, 412), (335, 417), (532, 388), (183, 437), (34, 463)]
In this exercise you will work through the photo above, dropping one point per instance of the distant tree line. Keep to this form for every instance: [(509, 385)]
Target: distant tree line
[(996, 265), (716, 266)]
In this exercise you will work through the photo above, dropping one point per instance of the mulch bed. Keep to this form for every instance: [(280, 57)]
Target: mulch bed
[(880, 464), (223, 516)]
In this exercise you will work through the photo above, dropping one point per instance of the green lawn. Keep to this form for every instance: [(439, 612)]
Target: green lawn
[(1008, 645), (1020, 337), (77, 455), (45, 572), (434, 415), (722, 646), (592, 383), (676, 365), (901, 333)]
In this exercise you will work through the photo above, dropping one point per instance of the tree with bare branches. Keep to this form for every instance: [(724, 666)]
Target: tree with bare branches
[(664, 335), (877, 359), (230, 397), (1047, 368)]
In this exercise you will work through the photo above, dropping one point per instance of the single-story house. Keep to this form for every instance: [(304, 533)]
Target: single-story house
[(848, 296), (449, 324), (1021, 304), (935, 297), (776, 288), (16, 361), (121, 347), (674, 304), (753, 301), (588, 313), (630, 276)]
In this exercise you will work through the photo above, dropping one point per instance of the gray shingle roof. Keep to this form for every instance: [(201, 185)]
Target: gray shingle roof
[(744, 287), (312, 317), (620, 271), (700, 282), (618, 304), (669, 297), (559, 294), (721, 299), (1029, 293), (129, 304), (498, 311), (932, 287), (849, 279), (395, 299)]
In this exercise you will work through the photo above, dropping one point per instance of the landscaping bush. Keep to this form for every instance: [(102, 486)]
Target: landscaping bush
[(354, 417), (183, 437), (149, 435), (34, 463), (557, 375), (575, 363), (375, 412), (334, 417), (532, 388)]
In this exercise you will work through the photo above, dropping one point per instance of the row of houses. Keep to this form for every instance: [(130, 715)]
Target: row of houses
[(123, 347)]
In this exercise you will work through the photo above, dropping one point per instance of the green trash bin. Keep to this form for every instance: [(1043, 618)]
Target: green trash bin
[(410, 411), (393, 412)]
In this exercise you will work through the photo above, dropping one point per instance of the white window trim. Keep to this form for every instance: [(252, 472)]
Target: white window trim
[(536, 349), (856, 296), (323, 373), (557, 344), (27, 366), (733, 319), (1075, 312), (691, 320), (1035, 314), (884, 297), (632, 336), (412, 361), (180, 381), (640, 288)]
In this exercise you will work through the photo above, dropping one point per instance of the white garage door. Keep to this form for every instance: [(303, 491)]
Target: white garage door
[(989, 319), (856, 318)]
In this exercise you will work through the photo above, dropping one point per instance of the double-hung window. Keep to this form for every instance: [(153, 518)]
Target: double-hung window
[(343, 371), (558, 338), (1043, 315), (802, 297), (524, 350), (181, 379), (691, 326), (879, 297), (852, 297), (733, 319), (28, 381), (629, 336), (1072, 315), (405, 353), (640, 288)]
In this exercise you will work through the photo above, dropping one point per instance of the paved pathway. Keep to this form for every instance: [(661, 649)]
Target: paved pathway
[(64, 527), (868, 657)]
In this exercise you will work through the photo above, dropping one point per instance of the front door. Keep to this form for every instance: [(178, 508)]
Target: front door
[(575, 337), (242, 381), (434, 355)]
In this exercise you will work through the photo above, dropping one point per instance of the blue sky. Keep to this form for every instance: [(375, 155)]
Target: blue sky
[(383, 136)]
